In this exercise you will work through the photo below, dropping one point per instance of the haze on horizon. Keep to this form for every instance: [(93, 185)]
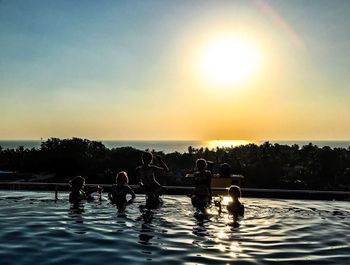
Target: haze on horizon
[(142, 69)]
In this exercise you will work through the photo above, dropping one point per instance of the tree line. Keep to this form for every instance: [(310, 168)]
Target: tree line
[(263, 166)]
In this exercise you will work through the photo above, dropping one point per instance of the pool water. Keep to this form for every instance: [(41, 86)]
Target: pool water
[(37, 230)]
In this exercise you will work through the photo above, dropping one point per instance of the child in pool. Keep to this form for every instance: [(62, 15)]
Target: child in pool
[(235, 207), (78, 194), (120, 190), (146, 173), (202, 178)]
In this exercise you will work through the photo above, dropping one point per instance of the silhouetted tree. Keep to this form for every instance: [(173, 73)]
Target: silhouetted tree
[(264, 166)]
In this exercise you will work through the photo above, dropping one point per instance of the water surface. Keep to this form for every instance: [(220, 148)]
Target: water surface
[(37, 230)]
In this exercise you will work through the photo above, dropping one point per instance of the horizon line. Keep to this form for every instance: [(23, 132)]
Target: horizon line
[(183, 140)]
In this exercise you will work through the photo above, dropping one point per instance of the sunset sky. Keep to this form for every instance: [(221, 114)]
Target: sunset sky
[(182, 69)]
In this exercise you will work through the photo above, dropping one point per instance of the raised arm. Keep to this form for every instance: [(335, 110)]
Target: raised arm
[(138, 176), (133, 195), (88, 192), (162, 163)]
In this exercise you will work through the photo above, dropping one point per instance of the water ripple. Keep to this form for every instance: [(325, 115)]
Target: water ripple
[(37, 230)]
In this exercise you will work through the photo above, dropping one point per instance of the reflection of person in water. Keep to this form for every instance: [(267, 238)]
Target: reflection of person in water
[(202, 191), (76, 214), (200, 228), (146, 233), (120, 190), (76, 211), (79, 192), (147, 178)]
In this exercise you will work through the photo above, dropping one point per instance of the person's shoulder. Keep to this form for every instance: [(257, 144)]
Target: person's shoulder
[(155, 167), (207, 174)]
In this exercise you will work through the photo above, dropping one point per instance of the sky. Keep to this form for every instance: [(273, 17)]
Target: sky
[(129, 70)]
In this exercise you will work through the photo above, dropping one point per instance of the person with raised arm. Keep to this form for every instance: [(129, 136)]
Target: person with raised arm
[(147, 178)]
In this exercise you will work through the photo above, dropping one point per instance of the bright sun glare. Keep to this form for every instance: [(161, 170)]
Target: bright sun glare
[(229, 61)]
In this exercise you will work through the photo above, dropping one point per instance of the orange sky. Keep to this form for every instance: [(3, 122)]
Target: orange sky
[(134, 71)]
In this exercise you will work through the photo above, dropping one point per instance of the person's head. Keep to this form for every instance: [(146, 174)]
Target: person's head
[(234, 191), (225, 170), (210, 166), (147, 158), (201, 164), (122, 178), (77, 182)]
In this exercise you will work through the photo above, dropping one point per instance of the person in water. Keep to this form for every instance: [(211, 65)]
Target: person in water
[(120, 190), (235, 207), (202, 179), (147, 177), (78, 193)]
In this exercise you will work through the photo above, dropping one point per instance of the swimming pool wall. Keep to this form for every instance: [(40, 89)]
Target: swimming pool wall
[(181, 190)]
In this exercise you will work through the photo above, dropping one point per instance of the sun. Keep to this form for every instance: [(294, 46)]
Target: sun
[(228, 61)]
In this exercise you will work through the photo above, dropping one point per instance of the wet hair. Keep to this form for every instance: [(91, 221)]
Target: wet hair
[(77, 182), (234, 191), (147, 156), (201, 163), (122, 177)]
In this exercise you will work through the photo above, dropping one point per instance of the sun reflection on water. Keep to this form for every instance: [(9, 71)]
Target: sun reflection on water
[(212, 144), (235, 249), (226, 200)]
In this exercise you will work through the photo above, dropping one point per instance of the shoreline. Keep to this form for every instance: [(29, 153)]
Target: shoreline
[(182, 190)]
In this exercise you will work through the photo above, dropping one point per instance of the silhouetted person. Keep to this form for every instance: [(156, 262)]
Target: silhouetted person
[(202, 192), (78, 193), (146, 173), (236, 208), (210, 167), (120, 190), (226, 173), (225, 170)]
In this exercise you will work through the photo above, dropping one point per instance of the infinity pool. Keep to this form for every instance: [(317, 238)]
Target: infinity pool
[(37, 230)]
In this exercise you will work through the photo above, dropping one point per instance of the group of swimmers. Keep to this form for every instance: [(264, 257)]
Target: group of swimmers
[(201, 196)]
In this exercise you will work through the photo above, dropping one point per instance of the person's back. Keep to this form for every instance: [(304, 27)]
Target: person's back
[(147, 173), (200, 197), (202, 179)]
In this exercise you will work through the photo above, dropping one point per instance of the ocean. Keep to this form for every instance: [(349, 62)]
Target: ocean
[(179, 146)]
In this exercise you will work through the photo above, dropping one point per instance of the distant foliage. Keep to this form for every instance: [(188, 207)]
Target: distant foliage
[(263, 166)]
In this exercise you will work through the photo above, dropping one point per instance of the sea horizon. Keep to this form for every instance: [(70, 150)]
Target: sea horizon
[(168, 146)]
